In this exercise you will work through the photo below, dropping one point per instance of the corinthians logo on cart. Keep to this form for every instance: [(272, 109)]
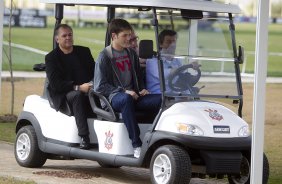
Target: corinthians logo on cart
[(214, 114), (109, 140)]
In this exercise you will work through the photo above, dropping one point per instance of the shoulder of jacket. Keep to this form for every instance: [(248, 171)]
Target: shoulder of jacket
[(53, 52), (103, 56), (108, 51), (79, 47)]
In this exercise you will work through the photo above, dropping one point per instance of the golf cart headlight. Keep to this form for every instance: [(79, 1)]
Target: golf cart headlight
[(189, 129), (244, 131)]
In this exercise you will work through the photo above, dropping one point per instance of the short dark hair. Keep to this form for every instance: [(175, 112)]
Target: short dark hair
[(61, 26), (166, 32), (119, 25)]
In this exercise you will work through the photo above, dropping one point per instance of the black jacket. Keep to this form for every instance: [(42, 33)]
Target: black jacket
[(59, 82)]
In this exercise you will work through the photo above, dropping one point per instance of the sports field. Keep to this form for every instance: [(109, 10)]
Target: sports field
[(41, 39)]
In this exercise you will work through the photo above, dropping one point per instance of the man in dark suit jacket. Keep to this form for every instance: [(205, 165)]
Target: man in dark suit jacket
[(70, 70)]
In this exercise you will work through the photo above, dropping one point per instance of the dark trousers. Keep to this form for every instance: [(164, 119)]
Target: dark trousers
[(124, 103), (80, 106)]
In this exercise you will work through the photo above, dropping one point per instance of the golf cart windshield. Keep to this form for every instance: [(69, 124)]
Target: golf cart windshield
[(201, 61)]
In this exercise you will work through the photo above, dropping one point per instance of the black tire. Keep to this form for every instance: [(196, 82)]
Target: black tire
[(26, 150), (107, 165), (244, 176), (170, 164)]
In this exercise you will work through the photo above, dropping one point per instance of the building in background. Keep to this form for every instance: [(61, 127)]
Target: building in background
[(25, 13), (26, 4)]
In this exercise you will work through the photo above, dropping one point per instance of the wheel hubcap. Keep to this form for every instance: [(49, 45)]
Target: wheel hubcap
[(23, 146), (162, 169)]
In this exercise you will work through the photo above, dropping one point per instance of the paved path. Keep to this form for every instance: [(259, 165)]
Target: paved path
[(88, 172), (5, 74)]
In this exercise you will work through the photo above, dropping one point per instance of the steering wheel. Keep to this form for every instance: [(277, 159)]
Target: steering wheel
[(179, 80)]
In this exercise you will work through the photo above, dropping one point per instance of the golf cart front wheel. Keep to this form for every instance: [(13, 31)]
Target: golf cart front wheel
[(244, 176), (27, 152), (170, 164)]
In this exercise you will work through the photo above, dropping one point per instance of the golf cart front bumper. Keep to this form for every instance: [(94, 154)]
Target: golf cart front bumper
[(204, 143)]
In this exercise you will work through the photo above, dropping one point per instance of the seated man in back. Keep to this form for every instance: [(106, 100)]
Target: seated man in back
[(135, 46), (118, 77), (70, 70)]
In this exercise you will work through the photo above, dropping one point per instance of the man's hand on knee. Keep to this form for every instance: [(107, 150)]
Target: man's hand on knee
[(132, 93), (144, 92)]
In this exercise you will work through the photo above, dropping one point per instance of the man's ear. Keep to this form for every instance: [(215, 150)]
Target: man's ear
[(56, 39), (114, 35)]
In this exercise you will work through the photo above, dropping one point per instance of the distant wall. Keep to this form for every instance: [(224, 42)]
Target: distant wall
[(26, 17)]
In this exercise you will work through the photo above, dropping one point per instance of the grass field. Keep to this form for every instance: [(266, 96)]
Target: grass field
[(41, 38)]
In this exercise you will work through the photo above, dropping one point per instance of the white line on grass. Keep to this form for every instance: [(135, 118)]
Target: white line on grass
[(99, 42), (26, 48)]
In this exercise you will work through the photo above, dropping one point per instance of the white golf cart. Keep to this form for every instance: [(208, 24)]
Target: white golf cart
[(196, 132)]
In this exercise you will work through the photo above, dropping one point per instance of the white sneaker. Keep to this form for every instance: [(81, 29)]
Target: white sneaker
[(137, 152)]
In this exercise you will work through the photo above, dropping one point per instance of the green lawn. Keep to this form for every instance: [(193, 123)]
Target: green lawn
[(246, 36), (21, 59), (7, 131), (41, 38)]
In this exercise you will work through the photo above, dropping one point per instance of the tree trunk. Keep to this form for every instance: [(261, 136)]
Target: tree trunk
[(10, 60)]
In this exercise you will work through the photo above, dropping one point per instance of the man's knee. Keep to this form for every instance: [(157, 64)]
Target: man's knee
[(155, 98), (125, 98), (158, 100), (76, 98), (72, 95), (153, 102), (122, 100)]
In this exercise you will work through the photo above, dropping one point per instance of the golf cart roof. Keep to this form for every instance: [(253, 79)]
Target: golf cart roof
[(200, 5)]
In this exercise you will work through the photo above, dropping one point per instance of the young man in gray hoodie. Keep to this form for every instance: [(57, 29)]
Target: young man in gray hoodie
[(119, 78)]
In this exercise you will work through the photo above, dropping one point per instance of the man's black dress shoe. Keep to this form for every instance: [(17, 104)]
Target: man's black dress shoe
[(85, 143)]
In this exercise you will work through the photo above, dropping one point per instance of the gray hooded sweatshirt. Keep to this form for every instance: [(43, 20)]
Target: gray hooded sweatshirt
[(106, 79)]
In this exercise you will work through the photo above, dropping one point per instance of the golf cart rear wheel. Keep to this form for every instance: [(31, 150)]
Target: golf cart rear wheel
[(26, 150), (170, 164), (244, 176)]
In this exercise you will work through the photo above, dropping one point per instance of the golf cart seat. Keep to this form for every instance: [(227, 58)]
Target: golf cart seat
[(106, 111), (65, 108)]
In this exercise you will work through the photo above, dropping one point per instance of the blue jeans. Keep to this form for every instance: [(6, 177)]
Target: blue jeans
[(124, 103)]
